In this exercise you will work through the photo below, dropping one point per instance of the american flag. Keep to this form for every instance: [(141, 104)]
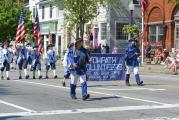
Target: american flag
[(37, 34), (21, 29), (143, 5)]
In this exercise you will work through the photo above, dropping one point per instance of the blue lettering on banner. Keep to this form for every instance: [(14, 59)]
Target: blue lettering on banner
[(106, 67)]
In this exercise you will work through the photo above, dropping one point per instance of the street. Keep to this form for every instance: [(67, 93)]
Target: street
[(48, 100)]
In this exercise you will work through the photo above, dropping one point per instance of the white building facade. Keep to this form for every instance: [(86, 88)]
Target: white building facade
[(111, 20), (51, 23), (109, 24)]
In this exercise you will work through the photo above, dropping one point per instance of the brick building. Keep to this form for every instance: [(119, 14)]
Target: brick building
[(162, 24)]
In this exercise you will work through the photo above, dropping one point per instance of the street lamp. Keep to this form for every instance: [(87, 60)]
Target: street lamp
[(131, 8)]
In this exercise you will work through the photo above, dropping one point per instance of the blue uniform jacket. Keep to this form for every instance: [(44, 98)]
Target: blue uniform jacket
[(20, 54), (51, 57), (10, 53), (6, 56), (28, 54), (130, 57), (77, 57), (35, 58)]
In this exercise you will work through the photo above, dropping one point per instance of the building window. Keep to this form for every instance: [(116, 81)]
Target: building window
[(51, 10), (33, 12), (43, 12), (103, 31), (136, 2), (119, 33), (156, 33)]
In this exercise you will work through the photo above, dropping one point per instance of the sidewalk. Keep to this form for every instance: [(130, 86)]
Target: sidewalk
[(146, 68), (149, 68)]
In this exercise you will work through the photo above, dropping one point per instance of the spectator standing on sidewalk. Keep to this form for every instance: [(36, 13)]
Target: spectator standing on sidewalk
[(132, 63), (148, 52), (115, 50), (103, 49)]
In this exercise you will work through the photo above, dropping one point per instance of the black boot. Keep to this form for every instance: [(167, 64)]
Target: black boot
[(137, 77), (8, 78), (40, 77), (55, 76), (27, 77), (20, 77), (127, 79), (86, 97), (63, 84)]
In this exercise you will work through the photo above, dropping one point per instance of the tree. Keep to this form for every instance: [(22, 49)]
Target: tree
[(177, 1), (131, 29), (79, 12), (9, 15)]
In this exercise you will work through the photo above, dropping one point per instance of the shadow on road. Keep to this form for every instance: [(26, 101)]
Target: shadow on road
[(11, 118), (101, 85), (103, 98), (5, 90)]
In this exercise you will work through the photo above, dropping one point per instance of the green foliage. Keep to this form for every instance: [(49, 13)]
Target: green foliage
[(29, 37), (9, 15), (170, 1), (131, 29), (79, 12)]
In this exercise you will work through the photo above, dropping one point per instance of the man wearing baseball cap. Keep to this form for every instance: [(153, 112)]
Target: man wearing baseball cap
[(76, 62), (132, 62)]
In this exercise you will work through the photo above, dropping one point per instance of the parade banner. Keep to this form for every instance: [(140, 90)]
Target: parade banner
[(106, 67)]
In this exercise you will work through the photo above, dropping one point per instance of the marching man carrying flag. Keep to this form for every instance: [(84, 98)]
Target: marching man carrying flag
[(37, 52), (20, 47)]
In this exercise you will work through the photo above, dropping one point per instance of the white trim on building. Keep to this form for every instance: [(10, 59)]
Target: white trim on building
[(52, 23)]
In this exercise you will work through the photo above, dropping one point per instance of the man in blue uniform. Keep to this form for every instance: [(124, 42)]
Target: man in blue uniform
[(22, 59), (76, 61), (10, 49), (132, 63), (51, 60), (66, 70), (36, 62), (29, 55), (6, 61)]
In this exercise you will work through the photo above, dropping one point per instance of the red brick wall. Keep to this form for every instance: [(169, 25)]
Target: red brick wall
[(159, 11)]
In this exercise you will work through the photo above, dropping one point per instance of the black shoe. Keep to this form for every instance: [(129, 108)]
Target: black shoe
[(8, 78), (55, 76), (128, 84), (33, 77), (2, 77), (20, 77), (63, 84), (86, 97), (141, 83), (46, 77), (27, 77), (40, 77), (73, 97)]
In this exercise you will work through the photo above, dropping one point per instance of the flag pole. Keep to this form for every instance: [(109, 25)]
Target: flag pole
[(142, 38)]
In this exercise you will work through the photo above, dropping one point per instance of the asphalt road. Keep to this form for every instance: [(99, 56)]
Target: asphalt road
[(46, 99)]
